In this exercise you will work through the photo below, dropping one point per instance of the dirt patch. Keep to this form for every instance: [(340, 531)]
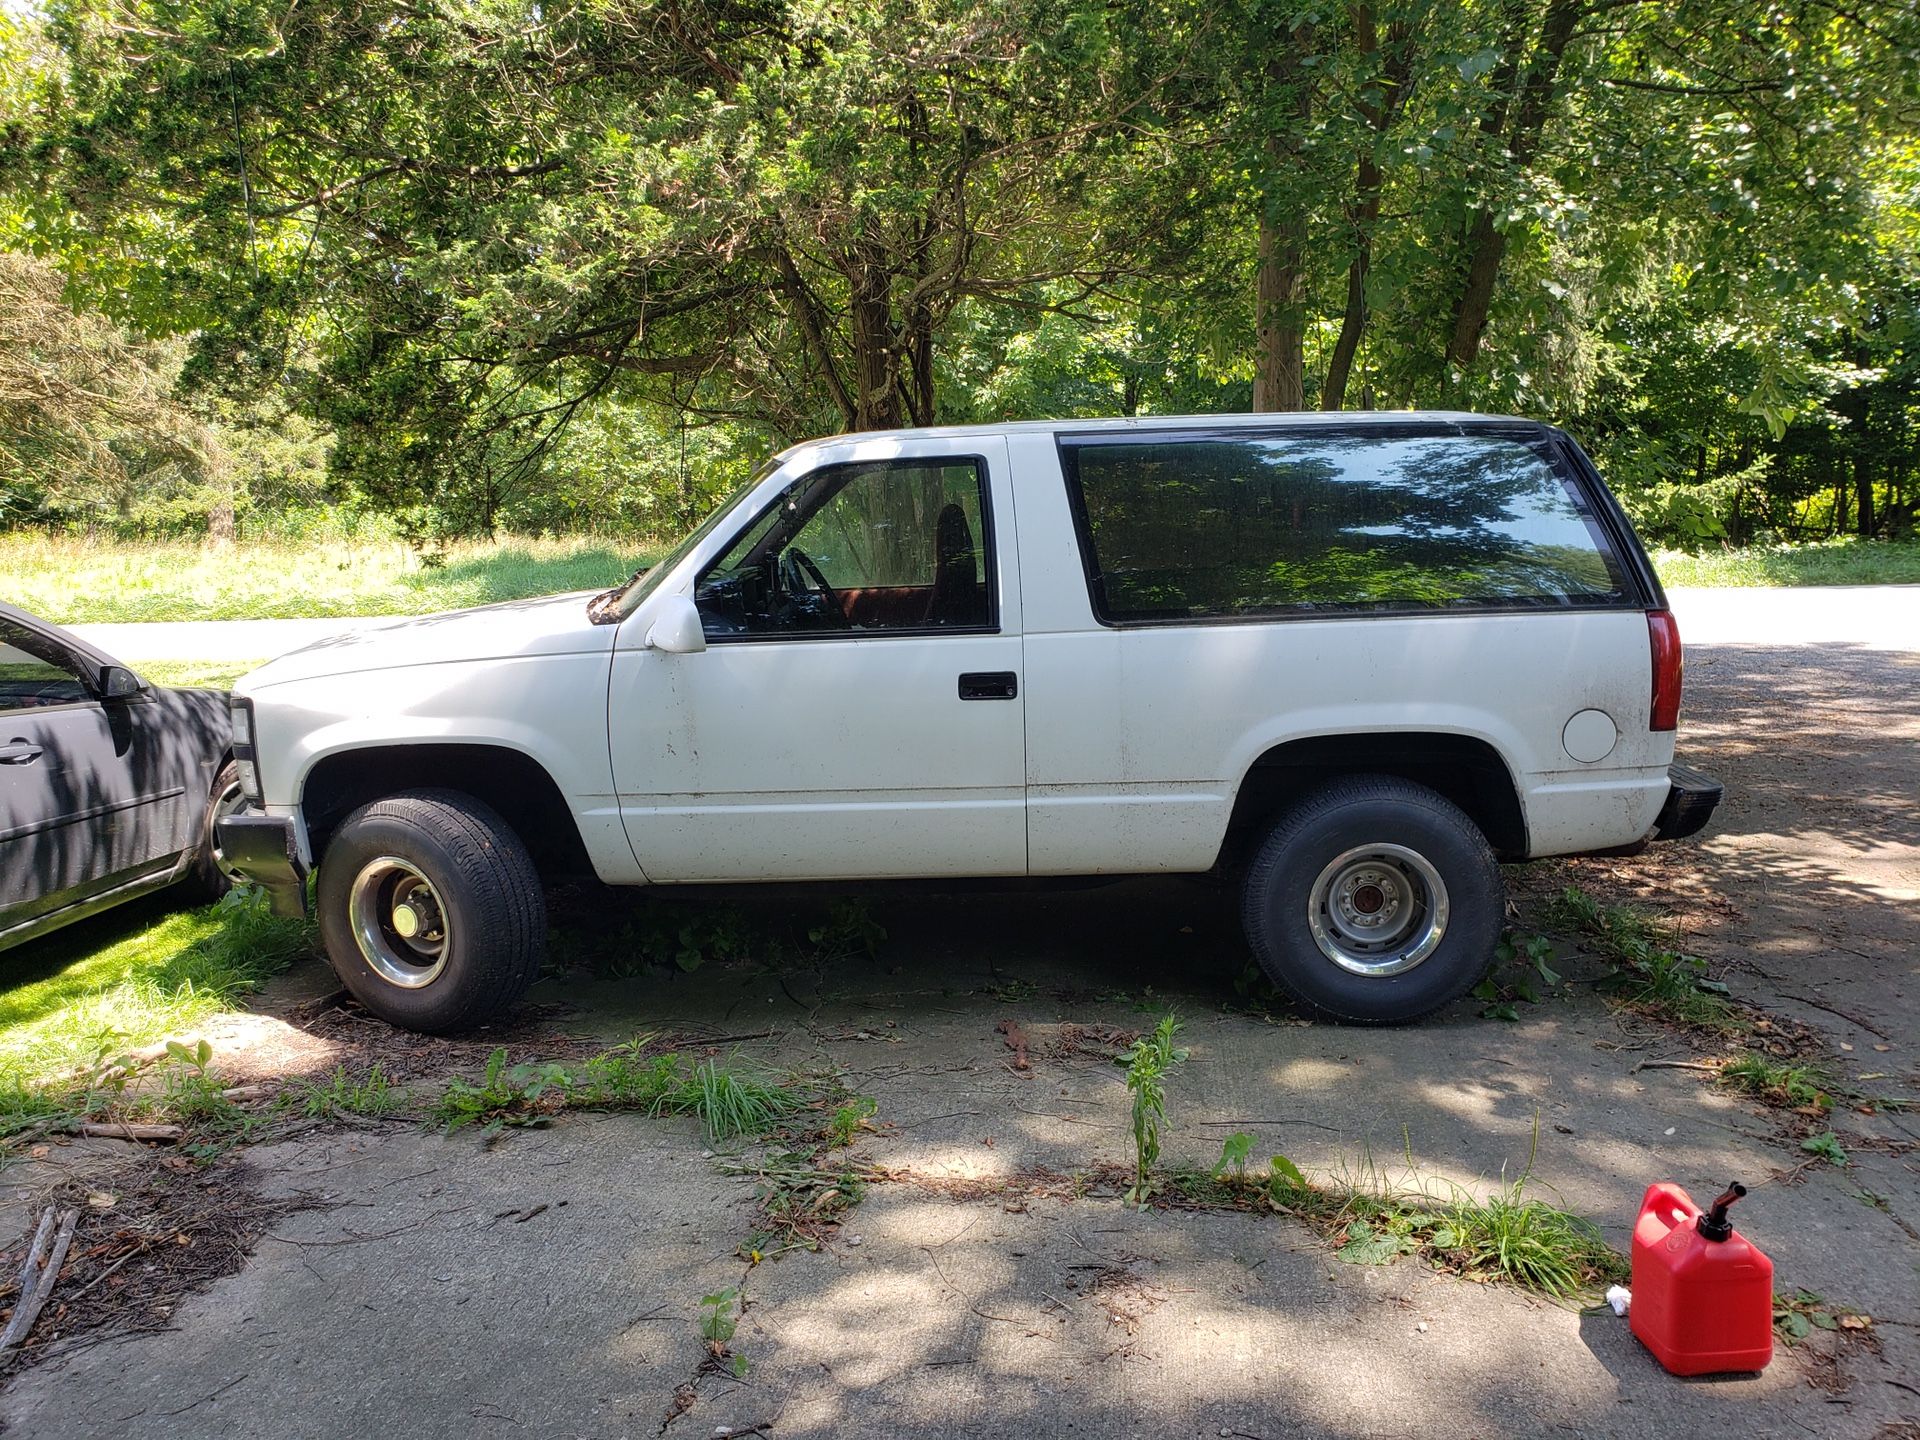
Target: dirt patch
[(148, 1237)]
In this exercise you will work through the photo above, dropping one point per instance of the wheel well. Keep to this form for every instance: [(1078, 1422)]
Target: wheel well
[(514, 784), (1467, 771)]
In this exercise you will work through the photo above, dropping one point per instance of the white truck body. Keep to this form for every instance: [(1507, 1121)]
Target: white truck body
[(684, 757)]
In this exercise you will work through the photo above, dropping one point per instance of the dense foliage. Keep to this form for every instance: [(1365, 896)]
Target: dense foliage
[(484, 264)]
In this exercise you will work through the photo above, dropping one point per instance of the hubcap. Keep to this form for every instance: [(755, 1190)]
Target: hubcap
[(398, 922), (1378, 910)]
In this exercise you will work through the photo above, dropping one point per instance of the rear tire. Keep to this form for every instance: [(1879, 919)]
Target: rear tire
[(431, 911), (1375, 901)]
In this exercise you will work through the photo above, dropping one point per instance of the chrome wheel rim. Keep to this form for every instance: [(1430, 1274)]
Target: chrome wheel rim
[(399, 922), (1378, 910), (230, 799)]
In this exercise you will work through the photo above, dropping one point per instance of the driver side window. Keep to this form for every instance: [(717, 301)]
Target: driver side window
[(31, 677), (888, 546)]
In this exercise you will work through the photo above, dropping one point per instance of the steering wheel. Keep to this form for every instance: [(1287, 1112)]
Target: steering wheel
[(797, 567)]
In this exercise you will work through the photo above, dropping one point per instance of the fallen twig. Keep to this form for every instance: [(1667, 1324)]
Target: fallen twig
[(38, 1275), (128, 1130), (1673, 1065), (1851, 1019)]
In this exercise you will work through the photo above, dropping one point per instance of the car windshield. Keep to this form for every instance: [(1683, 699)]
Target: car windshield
[(610, 607)]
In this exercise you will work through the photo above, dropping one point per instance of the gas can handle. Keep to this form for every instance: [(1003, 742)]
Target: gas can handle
[(1714, 1225)]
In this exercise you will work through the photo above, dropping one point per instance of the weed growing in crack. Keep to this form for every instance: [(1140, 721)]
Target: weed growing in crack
[(800, 1200), (1522, 968), (849, 1120), (1798, 1315), (729, 1100), (1825, 1146), (1151, 1060), (1799, 1087), (1648, 972), (372, 1096), (848, 930), (1234, 1151), (1507, 1236), (719, 1321)]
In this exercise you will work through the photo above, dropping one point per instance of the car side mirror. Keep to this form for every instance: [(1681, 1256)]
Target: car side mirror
[(676, 627), (119, 683)]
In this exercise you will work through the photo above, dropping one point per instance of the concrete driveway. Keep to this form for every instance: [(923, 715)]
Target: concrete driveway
[(549, 1284)]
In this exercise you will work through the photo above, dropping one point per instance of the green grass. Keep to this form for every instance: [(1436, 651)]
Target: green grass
[(1794, 1086), (729, 1101), (1648, 971), (372, 1096), (130, 979), (1846, 561), (1507, 1236), (207, 674), (75, 581)]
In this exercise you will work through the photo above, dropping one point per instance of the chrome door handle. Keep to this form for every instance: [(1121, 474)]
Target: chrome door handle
[(18, 752)]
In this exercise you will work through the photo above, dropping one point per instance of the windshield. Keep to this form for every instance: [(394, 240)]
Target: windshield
[(612, 606)]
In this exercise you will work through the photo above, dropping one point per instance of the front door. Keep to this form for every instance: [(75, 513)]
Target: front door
[(858, 709), (78, 811)]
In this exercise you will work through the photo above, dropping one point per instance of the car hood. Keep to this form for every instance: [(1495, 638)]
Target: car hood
[(549, 625)]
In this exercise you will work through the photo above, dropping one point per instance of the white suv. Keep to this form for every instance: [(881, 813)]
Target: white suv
[(1356, 659)]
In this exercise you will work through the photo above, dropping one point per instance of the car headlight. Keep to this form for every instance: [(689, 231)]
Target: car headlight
[(245, 762)]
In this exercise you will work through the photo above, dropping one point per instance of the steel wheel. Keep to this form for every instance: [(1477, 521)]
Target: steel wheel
[(1378, 910), (399, 922), (230, 799)]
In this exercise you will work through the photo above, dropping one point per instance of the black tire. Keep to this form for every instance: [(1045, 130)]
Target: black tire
[(207, 875), (1329, 836), (478, 877)]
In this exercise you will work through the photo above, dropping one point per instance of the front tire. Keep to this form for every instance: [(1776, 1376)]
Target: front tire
[(212, 876), (1374, 900), (431, 911)]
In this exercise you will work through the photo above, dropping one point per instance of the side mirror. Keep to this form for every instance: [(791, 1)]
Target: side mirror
[(119, 683), (676, 627)]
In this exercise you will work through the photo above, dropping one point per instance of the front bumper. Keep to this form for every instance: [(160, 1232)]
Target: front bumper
[(1691, 798), (262, 849)]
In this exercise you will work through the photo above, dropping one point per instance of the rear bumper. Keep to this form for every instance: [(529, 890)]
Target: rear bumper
[(1691, 798), (263, 849)]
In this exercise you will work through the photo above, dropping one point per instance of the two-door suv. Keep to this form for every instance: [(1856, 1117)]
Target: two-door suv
[(1355, 660)]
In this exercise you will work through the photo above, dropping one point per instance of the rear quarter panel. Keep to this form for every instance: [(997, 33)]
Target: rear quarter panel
[(1139, 738)]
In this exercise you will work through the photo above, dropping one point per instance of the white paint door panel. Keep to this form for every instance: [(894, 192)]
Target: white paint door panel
[(820, 756), (821, 759)]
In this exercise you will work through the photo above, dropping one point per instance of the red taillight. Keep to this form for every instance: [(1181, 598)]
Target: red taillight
[(1664, 636)]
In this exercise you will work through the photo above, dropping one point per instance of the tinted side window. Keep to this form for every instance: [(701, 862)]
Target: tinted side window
[(894, 545), (32, 673), (1180, 529)]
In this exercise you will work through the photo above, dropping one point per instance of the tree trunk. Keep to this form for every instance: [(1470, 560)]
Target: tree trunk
[(1279, 290), (1363, 215), (1279, 381), (1486, 244), (1863, 496), (876, 399)]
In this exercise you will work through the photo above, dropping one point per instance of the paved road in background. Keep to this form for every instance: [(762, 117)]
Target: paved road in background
[(1881, 617)]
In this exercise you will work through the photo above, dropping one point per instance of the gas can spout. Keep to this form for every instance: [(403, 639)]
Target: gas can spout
[(1714, 1225)]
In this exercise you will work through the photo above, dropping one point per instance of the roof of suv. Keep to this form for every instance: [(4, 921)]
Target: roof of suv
[(1279, 419)]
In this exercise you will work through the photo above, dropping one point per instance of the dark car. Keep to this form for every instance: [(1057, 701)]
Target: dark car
[(109, 786)]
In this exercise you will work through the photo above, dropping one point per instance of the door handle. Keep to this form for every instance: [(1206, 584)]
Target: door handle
[(989, 685), (18, 752)]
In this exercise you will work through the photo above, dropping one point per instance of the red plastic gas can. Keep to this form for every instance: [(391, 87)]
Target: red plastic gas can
[(1702, 1292)]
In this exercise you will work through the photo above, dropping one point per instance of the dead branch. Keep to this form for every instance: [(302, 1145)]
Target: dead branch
[(38, 1275)]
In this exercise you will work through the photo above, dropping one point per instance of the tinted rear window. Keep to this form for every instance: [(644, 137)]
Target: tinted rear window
[(1179, 529)]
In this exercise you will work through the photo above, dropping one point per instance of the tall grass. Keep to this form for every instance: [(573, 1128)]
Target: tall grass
[(1845, 561), (76, 581)]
